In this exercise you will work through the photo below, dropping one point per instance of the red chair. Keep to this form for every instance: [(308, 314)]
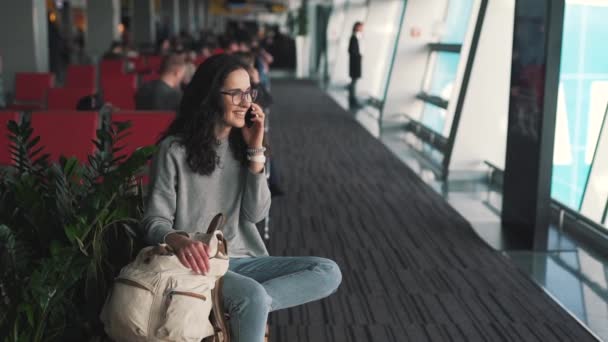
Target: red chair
[(81, 76), (154, 63), (66, 98), (110, 67), (110, 81), (121, 97), (139, 64), (146, 128), (5, 153), (67, 133), (30, 89), (150, 77)]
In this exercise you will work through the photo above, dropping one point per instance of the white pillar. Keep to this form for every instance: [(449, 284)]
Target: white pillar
[(23, 38), (169, 15), (201, 10), (144, 29), (103, 17), (186, 15)]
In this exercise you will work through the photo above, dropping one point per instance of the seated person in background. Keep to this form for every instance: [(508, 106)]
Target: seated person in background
[(164, 47), (164, 93), (116, 51), (189, 58), (264, 98)]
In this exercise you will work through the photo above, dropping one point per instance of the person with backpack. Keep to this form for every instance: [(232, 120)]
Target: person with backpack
[(210, 161)]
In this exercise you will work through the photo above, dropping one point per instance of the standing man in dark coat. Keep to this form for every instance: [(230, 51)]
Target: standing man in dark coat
[(354, 71)]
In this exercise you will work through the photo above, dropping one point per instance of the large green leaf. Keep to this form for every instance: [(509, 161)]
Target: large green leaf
[(72, 165), (13, 127), (33, 142)]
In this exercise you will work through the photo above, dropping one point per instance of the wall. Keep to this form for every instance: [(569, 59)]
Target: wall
[(482, 132), (411, 59), (378, 43)]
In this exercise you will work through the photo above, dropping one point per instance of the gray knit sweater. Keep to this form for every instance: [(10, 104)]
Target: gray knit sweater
[(180, 199)]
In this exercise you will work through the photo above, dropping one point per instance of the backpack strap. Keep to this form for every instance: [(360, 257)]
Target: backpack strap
[(217, 223), (222, 245), (220, 324)]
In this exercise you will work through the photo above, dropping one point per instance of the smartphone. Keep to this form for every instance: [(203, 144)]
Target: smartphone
[(249, 117)]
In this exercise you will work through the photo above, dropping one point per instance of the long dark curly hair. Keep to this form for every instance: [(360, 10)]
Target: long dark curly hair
[(201, 110)]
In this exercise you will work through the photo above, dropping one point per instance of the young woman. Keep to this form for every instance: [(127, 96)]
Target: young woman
[(209, 162)]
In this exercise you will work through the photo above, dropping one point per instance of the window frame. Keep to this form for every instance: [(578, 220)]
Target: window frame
[(477, 16)]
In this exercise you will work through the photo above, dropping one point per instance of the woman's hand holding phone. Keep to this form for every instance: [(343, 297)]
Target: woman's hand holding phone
[(253, 133)]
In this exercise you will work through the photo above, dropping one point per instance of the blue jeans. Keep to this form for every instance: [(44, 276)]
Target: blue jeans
[(253, 287)]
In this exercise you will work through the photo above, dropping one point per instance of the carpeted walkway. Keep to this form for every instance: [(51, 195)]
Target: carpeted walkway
[(413, 270)]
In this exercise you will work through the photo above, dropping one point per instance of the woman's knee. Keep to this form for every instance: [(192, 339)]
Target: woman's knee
[(332, 276), (247, 293)]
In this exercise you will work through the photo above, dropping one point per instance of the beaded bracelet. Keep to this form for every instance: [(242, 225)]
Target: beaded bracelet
[(253, 151), (257, 159)]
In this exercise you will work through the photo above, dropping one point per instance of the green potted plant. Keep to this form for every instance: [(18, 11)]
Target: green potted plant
[(65, 230)]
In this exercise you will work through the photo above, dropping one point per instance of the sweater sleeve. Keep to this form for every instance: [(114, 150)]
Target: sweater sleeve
[(256, 198), (160, 209)]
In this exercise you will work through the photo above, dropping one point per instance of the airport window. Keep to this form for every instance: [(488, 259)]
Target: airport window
[(440, 85), (582, 98), (444, 59), (594, 204)]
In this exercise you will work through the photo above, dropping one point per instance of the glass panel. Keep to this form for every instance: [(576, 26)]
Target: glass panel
[(457, 21), (433, 117), (444, 71), (443, 66), (582, 97)]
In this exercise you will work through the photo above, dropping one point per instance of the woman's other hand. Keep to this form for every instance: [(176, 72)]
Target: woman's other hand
[(192, 254)]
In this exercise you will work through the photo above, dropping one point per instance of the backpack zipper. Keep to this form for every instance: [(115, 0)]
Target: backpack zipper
[(131, 283), (188, 294)]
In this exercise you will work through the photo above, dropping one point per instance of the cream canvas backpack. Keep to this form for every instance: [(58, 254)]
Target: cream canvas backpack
[(156, 298)]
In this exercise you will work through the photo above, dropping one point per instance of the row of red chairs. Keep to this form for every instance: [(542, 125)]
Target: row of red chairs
[(146, 64), (34, 90), (70, 133)]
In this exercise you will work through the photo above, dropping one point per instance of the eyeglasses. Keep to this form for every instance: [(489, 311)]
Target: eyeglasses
[(239, 96)]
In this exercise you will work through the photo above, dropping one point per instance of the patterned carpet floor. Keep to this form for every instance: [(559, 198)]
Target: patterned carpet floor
[(413, 269)]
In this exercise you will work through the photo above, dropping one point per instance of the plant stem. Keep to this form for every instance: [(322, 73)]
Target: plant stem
[(105, 207)]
